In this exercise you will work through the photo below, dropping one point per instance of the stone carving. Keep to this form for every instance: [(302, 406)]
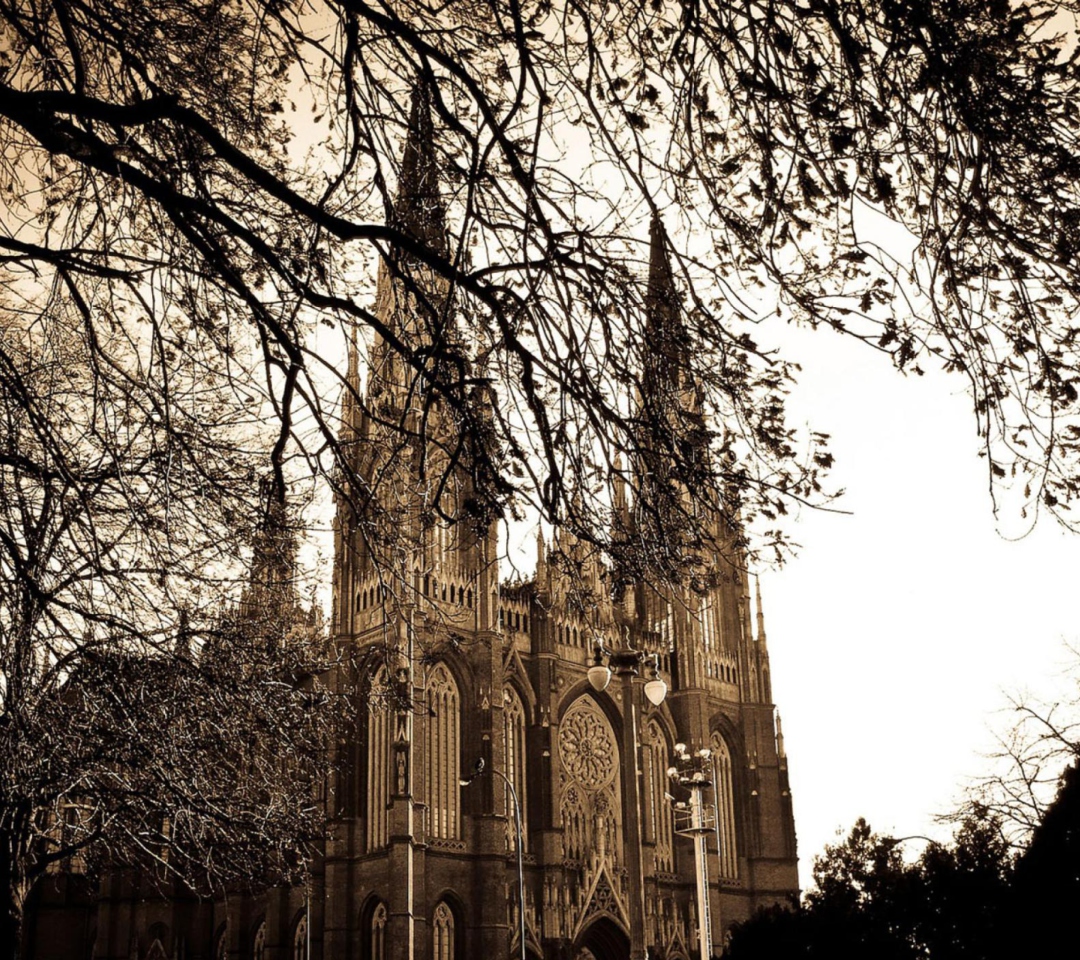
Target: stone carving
[(587, 747), (589, 807)]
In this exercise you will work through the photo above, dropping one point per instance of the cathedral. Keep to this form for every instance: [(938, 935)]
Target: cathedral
[(531, 775)]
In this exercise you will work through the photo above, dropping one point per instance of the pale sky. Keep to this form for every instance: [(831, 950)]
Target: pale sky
[(897, 632)]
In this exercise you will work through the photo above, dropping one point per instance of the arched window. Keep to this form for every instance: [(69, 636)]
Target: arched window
[(514, 751), (441, 753), (300, 939), (258, 945), (707, 616), (590, 807), (442, 932), (659, 827), (378, 766), (723, 787), (378, 932)]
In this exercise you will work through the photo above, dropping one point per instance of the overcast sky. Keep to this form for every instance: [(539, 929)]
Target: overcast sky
[(898, 631)]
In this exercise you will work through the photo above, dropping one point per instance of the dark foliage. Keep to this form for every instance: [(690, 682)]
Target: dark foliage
[(867, 902), (1046, 882)]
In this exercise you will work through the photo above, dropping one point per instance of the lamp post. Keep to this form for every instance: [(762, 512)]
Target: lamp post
[(692, 771), (478, 770), (626, 663)]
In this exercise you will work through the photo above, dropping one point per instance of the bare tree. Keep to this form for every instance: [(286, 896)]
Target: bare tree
[(150, 174), (1042, 740), (197, 193), (144, 719)]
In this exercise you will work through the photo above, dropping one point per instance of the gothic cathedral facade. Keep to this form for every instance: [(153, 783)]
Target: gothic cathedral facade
[(456, 666), (465, 667)]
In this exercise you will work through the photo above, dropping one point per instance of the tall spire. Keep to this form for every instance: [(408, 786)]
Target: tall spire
[(418, 209), (760, 615), (664, 331)]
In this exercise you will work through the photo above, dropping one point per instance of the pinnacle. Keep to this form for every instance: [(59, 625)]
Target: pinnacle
[(418, 209)]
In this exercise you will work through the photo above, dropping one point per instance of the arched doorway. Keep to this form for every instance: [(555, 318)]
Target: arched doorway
[(603, 939)]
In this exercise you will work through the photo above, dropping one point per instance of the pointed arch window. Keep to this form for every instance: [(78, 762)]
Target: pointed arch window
[(379, 918), (707, 615), (590, 804), (442, 932), (441, 753), (378, 766), (514, 752), (723, 785), (258, 945), (300, 939), (659, 827)]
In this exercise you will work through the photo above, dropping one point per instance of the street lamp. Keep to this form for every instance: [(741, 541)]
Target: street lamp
[(693, 771), (626, 664), (600, 673), (477, 771)]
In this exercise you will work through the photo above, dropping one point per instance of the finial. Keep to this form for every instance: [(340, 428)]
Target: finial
[(618, 492), (780, 738), (760, 615), (541, 554), (182, 645), (354, 361)]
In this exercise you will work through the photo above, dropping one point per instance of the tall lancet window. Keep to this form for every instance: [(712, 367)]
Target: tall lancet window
[(441, 753), (659, 827), (300, 939), (378, 765), (723, 786), (378, 932), (442, 932), (514, 751), (707, 616)]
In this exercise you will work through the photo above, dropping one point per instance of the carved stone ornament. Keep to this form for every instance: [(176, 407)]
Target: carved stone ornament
[(587, 747)]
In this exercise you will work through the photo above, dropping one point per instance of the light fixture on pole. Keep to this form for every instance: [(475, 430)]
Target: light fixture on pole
[(694, 772), (478, 770), (600, 673)]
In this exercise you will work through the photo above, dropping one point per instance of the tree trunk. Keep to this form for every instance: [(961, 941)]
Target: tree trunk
[(14, 886), (11, 920)]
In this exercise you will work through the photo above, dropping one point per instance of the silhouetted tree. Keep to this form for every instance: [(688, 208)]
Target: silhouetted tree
[(1046, 882), (145, 719), (158, 183), (868, 902)]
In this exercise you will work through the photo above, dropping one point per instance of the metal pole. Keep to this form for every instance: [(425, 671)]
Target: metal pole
[(625, 664), (520, 864), (701, 870), (479, 771)]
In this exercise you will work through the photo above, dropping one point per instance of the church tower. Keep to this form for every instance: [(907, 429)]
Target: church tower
[(453, 667), (458, 668)]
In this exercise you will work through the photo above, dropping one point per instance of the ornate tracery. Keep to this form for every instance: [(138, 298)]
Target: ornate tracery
[(442, 752), (590, 799), (442, 932), (658, 825), (378, 766), (514, 753), (725, 807)]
